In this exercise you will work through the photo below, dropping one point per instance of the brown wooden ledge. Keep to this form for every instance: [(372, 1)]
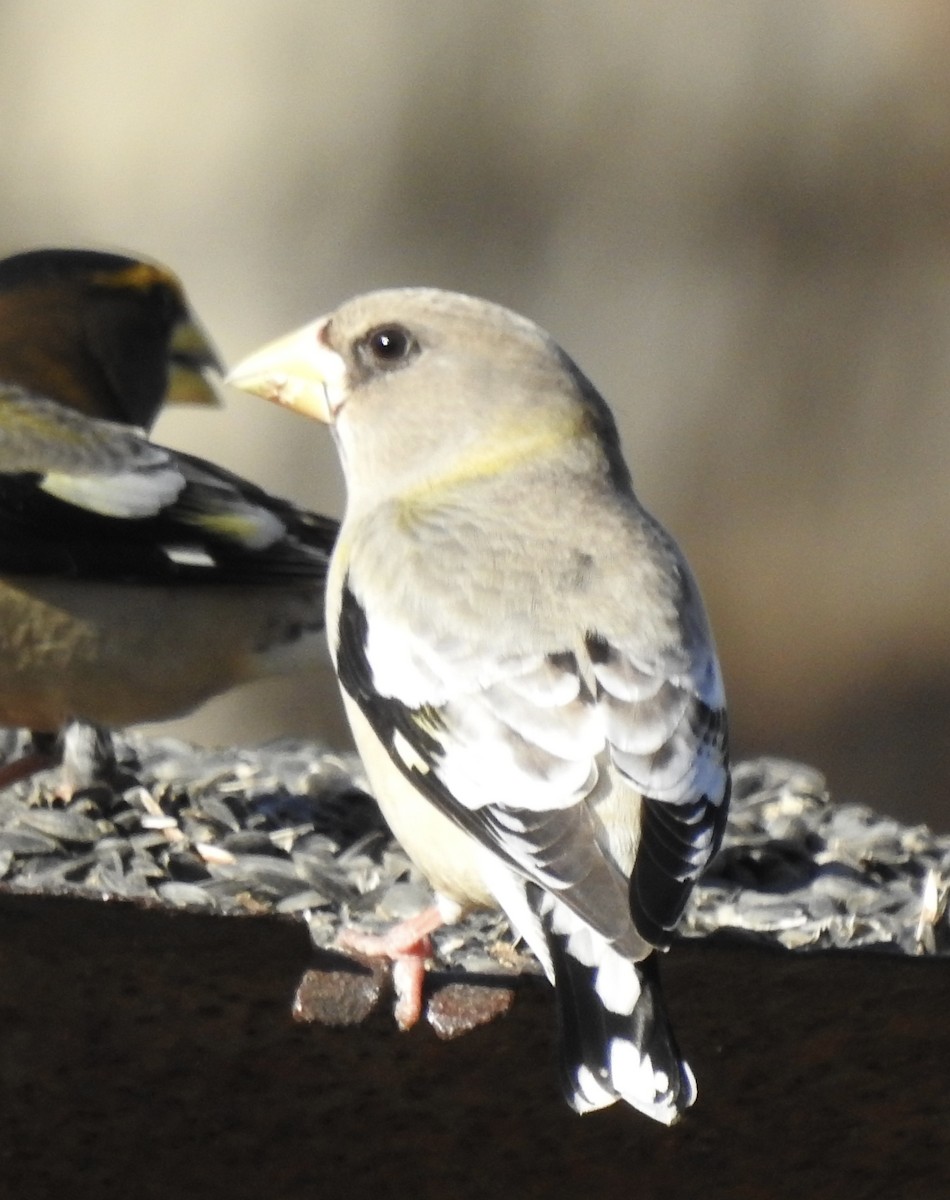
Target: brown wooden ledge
[(154, 1054)]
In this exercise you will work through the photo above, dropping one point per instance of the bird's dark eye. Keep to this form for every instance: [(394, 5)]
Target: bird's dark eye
[(389, 345)]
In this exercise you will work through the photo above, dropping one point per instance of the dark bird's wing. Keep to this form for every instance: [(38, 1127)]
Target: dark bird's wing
[(90, 499)]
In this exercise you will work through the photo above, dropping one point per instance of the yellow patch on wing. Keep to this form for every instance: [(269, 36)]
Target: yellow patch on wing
[(41, 423), (35, 439), (253, 528), (429, 720)]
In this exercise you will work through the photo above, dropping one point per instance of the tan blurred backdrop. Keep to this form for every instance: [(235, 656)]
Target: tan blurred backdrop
[(735, 216)]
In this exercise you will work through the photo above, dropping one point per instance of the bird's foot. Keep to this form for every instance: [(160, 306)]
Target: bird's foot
[(408, 946)]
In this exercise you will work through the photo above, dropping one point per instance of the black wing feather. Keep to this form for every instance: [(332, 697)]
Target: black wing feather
[(676, 842)]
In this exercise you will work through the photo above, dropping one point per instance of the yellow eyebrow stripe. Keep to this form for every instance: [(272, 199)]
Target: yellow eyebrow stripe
[(138, 276)]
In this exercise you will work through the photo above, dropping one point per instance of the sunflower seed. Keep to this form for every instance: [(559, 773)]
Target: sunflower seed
[(300, 902), (185, 895), (65, 824), (20, 843)]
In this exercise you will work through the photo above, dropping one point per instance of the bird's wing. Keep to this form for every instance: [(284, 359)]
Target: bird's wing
[(90, 499), (510, 749), (665, 723)]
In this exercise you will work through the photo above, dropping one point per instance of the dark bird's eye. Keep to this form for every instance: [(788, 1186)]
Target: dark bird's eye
[(390, 345)]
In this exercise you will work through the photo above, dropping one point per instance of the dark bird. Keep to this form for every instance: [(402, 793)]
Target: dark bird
[(135, 582)]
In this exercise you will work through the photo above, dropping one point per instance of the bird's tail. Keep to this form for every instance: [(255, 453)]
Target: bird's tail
[(616, 1039)]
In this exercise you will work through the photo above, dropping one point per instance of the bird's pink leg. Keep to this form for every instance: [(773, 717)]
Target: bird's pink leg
[(408, 946)]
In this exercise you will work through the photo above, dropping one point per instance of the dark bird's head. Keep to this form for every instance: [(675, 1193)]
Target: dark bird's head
[(110, 336)]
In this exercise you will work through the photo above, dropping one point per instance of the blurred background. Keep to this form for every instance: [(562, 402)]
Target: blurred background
[(736, 217)]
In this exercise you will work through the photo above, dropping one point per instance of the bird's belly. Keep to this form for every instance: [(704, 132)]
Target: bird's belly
[(450, 859), (121, 654)]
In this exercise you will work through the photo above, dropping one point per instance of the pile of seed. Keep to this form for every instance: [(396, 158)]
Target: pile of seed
[(284, 828), (288, 828), (797, 870)]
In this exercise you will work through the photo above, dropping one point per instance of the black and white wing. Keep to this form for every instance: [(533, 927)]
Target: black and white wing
[(511, 749), (89, 499), (665, 725)]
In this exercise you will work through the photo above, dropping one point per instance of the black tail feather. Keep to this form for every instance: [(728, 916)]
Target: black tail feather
[(609, 1055)]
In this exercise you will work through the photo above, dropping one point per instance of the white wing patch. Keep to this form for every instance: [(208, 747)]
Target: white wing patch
[(190, 556), (404, 748), (128, 494), (655, 722), (488, 761)]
